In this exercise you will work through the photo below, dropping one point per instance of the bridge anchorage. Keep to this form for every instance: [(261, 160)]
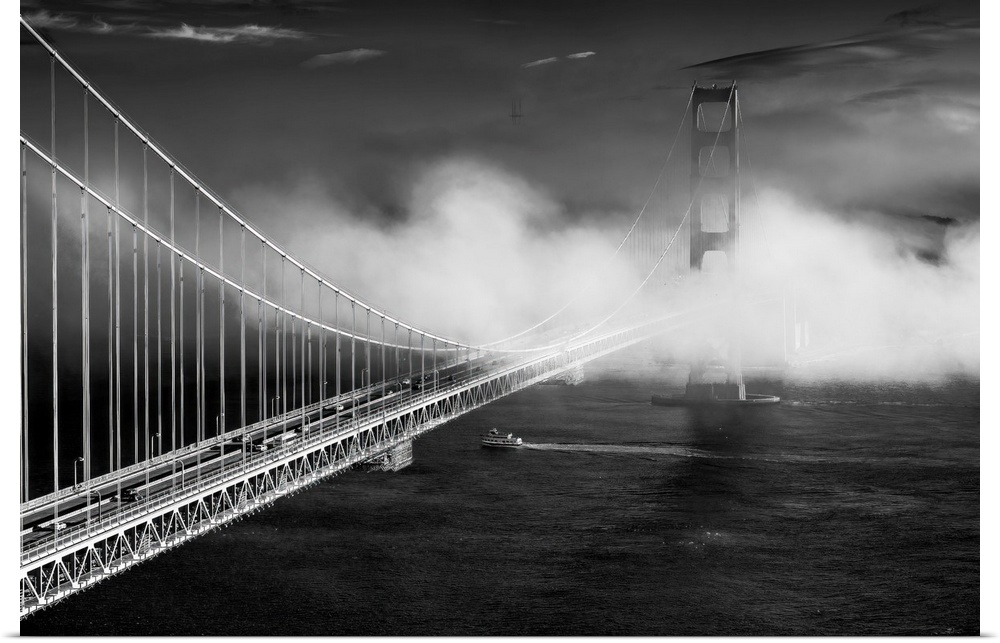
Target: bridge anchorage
[(715, 237)]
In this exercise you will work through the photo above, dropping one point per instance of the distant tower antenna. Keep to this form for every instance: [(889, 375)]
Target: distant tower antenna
[(515, 110)]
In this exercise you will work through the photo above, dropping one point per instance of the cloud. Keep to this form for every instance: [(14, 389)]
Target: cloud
[(920, 34), (546, 61), (933, 15), (801, 59), (543, 61), (244, 33), (342, 57), (462, 217), (45, 20)]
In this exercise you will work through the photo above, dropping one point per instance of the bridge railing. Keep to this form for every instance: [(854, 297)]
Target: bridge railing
[(207, 443), (332, 427)]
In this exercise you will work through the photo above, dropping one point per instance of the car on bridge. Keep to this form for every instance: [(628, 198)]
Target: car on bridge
[(132, 494)]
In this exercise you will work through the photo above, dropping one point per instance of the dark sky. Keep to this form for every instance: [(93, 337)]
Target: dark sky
[(358, 96)]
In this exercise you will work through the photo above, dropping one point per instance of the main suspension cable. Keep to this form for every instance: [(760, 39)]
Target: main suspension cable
[(676, 232)]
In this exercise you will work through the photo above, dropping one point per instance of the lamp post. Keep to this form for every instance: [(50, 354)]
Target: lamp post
[(152, 443), (274, 406), (79, 460)]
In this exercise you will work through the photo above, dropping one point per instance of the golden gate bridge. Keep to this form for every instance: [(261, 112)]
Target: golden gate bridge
[(181, 370)]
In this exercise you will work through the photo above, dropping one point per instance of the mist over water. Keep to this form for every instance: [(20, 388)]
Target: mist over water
[(481, 253), (896, 299)]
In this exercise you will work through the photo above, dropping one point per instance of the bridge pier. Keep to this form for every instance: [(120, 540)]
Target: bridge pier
[(395, 459), (569, 377), (715, 391)]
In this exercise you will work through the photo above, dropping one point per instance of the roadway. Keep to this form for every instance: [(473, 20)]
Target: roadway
[(102, 497)]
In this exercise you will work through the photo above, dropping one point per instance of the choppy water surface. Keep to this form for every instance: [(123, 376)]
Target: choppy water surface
[(847, 509)]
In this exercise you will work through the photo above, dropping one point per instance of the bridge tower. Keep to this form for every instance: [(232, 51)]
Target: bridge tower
[(714, 175), (715, 222)]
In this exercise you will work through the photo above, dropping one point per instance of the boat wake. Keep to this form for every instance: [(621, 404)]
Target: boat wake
[(867, 403), (688, 452), (683, 452)]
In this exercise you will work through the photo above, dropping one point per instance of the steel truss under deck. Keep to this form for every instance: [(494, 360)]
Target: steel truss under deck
[(79, 557)]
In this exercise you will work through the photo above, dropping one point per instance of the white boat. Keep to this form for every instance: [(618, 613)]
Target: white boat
[(495, 439)]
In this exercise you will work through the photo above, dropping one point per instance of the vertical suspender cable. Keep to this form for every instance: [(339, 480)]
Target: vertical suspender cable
[(25, 491), (135, 343), (243, 326), (309, 363), (307, 360), (203, 388), (145, 301), (284, 350), (55, 295), (368, 355), (277, 352), (221, 425), (85, 299), (294, 371), (203, 392), (111, 369), (336, 341), (118, 318), (302, 355), (198, 300), (159, 355), (181, 349), (173, 369), (262, 334), (322, 353), (261, 357), (354, 367)]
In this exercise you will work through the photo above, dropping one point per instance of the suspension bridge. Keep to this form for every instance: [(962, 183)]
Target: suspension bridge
[(180, 369)]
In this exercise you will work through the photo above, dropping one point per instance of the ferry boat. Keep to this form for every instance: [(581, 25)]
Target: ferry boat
[(495, 439)]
